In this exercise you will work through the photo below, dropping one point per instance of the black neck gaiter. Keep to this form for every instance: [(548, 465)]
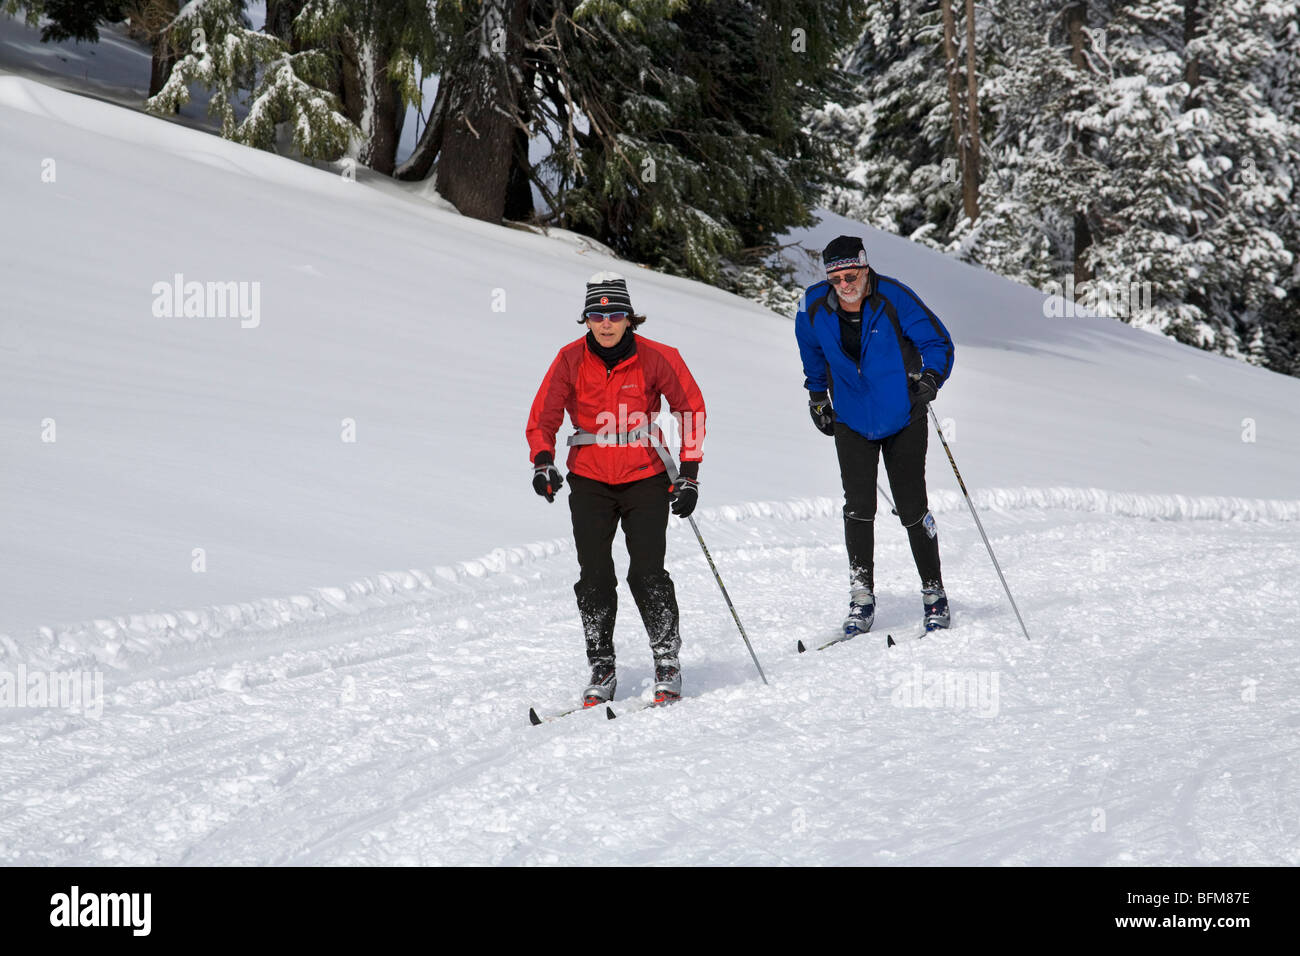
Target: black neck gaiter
[(615, 353)]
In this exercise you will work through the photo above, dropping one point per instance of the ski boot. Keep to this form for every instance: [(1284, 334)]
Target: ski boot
[(936, 607), (668, 680), (601, 689), (862, 612)]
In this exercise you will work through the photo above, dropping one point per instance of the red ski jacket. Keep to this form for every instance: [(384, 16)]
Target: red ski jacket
[(611, 402)]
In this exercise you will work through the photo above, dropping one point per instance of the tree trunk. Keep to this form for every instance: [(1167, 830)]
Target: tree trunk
[(161, 63), (971, 156), (389, 117), (950, 67), (478, 148), (1076, 18), (519, 190), (371, 101), (420, 163), (280, 15), (149, 22), (1191, 29), (965, 119)]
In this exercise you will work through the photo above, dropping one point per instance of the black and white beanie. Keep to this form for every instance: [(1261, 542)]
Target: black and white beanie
[(607, 292), (844, 252)]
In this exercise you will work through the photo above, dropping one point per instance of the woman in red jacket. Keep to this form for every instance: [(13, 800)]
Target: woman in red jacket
[(611, 382)]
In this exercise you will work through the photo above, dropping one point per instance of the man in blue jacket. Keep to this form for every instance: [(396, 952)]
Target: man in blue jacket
[(873, 357)]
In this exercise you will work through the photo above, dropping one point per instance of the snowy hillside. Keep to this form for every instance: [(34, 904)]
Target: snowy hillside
[(175, 434), (187, 490)]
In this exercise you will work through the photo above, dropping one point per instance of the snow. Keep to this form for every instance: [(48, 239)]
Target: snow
[(116, 68), (348, 679)]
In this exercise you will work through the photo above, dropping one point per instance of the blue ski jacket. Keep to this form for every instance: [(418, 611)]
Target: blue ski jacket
[(900, 337)]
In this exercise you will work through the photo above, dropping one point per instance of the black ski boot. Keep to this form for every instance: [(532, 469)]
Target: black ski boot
[(598, 605), (937, 615), (656, 598)]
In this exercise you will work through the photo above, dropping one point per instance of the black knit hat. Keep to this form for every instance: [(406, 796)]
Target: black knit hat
[(607, 292), (844, 252)]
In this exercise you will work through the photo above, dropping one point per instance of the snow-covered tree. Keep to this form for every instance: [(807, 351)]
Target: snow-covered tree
[(895, 125), (375, 46), (675, 128), (239, 64), (1280, 318), (1143, 149)]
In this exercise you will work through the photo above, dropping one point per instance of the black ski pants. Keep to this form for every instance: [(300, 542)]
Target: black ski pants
[(597, 509), (904, 454)]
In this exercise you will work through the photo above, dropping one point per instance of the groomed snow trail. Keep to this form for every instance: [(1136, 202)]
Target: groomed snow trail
[(1155, 717)]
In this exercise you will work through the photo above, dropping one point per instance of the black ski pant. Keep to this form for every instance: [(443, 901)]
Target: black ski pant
[(904, 454), (641, 506)]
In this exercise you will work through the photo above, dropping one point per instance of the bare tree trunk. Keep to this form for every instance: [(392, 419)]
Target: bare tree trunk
[(1076, 18), (519, 189), (420, 163), (280, 15), (1191, 29), (478, 148), (149, 21), (971, 156), (371, 100), (950, 67), (965, 118), (160, 65)]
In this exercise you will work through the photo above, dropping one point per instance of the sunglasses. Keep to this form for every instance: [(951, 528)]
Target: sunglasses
[(841, 278), (614, 317)]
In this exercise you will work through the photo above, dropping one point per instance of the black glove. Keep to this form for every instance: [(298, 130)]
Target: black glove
[(823, 416), (546, 477), (685, 491), (925, 386)]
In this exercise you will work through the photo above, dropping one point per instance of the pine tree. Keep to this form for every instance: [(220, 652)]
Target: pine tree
[(374, 46), (227, 57), (78, 20), (675, 129), (1280, 317), (481, 126), (1145, 149), (896, 125), (1194, 155)]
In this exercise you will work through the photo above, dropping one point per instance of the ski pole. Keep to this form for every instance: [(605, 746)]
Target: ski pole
[(714, 568), (888, 499), (969, 504), (671, 468)]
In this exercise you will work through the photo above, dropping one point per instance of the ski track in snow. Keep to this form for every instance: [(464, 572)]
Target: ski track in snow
[(1154, 719)]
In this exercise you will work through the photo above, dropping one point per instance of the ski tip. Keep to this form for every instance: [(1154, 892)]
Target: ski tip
[(801, 647), (533, 718), (609, 713), (889, 640)]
